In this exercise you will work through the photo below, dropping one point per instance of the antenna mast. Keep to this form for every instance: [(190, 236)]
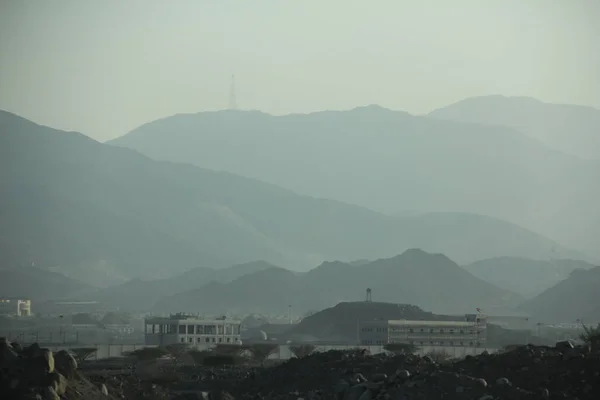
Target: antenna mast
[(232, 98)]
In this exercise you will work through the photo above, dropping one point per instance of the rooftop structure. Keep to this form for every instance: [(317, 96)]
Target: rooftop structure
[(193, 330)]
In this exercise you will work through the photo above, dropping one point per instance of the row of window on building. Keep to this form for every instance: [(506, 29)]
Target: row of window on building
[(209, 340), (184, 329), (424, 343), (411, 330)]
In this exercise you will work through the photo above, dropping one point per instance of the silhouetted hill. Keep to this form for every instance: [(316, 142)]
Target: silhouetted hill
[(431, 281), (106, 214), (391, 161), (569, 128), (524, 276), (140, 294), (575, 298), (38, 285)]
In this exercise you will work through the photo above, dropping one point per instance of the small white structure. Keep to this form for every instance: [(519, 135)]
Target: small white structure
[(194, 331), (15, 307)]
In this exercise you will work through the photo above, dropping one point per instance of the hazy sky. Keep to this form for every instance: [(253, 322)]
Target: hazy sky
[(105, 67)]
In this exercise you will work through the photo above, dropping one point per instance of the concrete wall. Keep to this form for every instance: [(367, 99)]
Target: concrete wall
[(284, 353)]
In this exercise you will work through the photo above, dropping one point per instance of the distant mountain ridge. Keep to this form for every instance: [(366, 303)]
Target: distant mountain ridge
[(140, 294), (431, 281), (573, 300), (569, 128), (38, 284), (525, 276), (390, 161), (105, 214)]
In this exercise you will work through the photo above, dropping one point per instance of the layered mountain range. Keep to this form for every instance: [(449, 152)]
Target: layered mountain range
[(105, 214), (474, 157)]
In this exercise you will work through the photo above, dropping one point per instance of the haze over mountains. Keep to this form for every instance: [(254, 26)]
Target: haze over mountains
[(391, 161), (524, 276), (575, 299), (569, 128), (104, 214), (432, 281)]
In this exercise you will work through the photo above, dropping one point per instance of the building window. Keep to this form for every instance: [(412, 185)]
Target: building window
[(411, 330), (451, 330), (182, 340), (441, 330), (199, 340), (210, 330), (220, 340), (228, 340), (190, 340), (181, 329), (431, 330), (422, 330), (213, 340), (190, 329), (207, 340), (200, 329)]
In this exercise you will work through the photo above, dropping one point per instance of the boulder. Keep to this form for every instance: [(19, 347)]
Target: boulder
[(58, 382), (65, 363), (50, 394)]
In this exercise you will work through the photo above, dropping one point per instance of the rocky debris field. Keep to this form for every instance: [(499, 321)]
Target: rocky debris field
[(33, 373), (526, 372)]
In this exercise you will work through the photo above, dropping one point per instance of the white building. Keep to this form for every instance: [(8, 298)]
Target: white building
[(195, 331), (467, 332), (16, 307)]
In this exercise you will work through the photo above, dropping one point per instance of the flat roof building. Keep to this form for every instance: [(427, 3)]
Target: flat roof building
[(195, 331), (469, 332)]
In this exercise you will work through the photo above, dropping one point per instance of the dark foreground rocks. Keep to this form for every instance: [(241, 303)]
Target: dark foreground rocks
[(525, 372), (34, 373)]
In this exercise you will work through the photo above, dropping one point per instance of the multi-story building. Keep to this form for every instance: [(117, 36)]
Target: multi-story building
[(15, 306), (195, 331), (467, 332)]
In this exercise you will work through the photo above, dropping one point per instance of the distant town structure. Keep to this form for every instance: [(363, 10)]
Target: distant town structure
[(18, 307), (467, 332), (195, 331)]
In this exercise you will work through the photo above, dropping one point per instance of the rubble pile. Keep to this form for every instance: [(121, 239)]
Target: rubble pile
[(564, 371), (35, 373), (527, 372)]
